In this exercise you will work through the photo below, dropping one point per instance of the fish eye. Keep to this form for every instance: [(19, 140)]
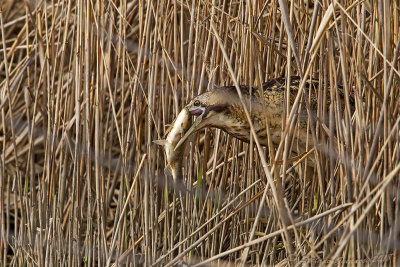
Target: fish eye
[(196, 103)]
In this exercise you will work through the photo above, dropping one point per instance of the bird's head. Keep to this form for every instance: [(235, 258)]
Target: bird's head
[(211, 109)]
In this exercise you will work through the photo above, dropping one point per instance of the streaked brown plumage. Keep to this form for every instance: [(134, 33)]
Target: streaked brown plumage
[(221, 108)]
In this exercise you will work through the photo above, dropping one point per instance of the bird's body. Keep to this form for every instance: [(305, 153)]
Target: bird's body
[(221, 108)]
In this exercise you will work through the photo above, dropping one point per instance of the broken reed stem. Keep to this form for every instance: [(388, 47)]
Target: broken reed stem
[(85, 87)]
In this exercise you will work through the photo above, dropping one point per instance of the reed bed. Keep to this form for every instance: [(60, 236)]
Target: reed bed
[(86, 86)]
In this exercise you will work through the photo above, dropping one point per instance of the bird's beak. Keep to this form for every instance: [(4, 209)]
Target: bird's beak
[(195, 111)]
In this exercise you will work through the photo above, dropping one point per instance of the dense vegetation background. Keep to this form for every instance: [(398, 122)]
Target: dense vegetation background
[(86, 86)]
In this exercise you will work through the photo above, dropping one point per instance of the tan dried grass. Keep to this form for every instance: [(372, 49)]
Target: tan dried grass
[(86, 86)]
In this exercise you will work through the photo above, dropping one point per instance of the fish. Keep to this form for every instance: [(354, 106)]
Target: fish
[(173, 154)]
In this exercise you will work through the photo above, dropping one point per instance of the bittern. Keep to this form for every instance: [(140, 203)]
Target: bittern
[(221, 108)]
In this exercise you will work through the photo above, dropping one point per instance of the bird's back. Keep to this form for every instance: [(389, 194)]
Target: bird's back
[(267, 108)]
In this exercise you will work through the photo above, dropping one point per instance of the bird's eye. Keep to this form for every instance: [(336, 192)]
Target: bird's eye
[(196, 103)]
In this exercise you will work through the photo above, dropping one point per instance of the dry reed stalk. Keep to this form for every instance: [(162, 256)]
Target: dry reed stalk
[(86, 86)]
